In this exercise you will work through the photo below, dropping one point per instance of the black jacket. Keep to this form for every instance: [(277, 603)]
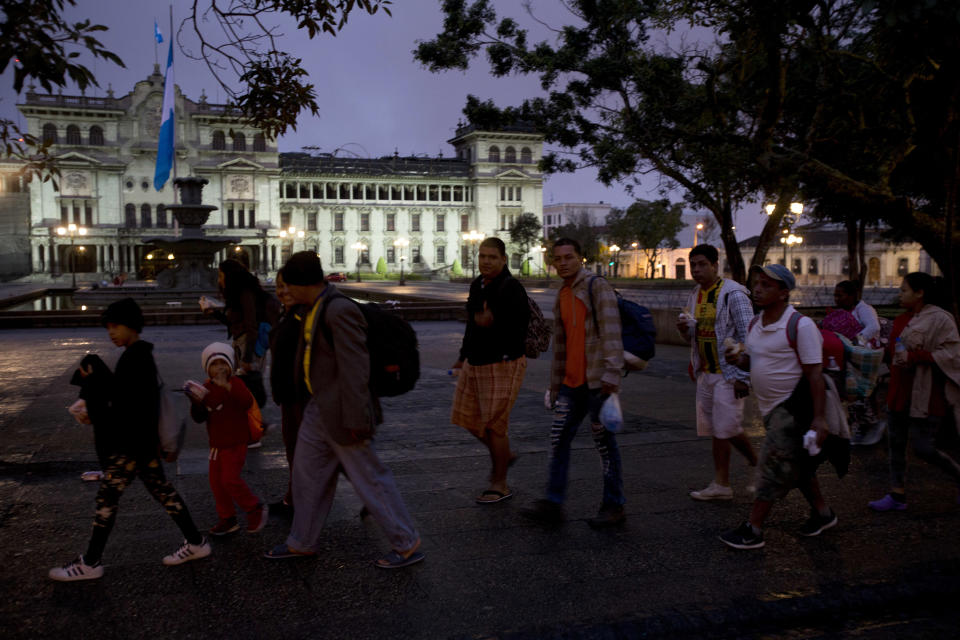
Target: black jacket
[(284, 342), (124, 406), (505, 339)]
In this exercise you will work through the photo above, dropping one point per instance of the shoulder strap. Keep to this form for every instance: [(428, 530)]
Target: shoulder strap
[(792, 332), (322, 321), (753, 322), (593, 307)]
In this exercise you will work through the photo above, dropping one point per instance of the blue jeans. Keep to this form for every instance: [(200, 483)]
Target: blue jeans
[(572, 406)]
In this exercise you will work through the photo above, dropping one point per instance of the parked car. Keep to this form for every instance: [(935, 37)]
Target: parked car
[(336, 276)]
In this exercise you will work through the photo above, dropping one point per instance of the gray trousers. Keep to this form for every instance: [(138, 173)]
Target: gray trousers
[(316, 466)]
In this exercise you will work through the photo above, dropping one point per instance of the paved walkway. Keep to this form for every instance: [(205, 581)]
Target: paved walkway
[(488, 573)]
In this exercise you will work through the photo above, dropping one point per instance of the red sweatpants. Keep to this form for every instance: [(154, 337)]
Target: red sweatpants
[(227, 485)]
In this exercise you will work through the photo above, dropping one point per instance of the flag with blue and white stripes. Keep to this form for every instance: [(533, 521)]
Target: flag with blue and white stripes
[(165, 142), (156, 32)]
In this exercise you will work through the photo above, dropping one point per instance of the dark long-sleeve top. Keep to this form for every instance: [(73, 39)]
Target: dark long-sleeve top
[(284, 341), (505, 339), (225, 413), (127, 401), (242, 320)]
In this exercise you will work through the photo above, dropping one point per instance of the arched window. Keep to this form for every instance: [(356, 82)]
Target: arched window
[(526, 156), (96, 135), (145, 216), (50, 133), (510, 155), (813, 267), (239, 142), (73, 134), (259, 142), (130, 216), (161, 216), (494, 154)]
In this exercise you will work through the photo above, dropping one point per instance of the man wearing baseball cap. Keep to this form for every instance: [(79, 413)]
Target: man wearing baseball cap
[(783, 355)]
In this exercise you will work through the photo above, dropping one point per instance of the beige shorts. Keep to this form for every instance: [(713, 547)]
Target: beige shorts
[(719, 411)]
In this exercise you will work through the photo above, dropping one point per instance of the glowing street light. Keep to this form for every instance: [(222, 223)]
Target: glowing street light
[(696, 230), (73, 231), (359, 247), (789, 241), (473, 237), (400, 243)]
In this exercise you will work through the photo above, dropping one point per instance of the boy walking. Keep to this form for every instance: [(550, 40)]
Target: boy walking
[(787, 376), (718, 310), (587, 359), (133, 443), (223, 402), (492, 362)]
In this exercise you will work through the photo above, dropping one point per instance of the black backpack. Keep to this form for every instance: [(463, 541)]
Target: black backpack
[(393, 348), (637, 330)]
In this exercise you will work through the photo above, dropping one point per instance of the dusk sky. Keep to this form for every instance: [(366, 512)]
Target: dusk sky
[(374, 98)]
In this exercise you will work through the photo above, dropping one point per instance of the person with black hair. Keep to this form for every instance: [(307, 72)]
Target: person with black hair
[(924, 357), (846, 295), (131, 399)]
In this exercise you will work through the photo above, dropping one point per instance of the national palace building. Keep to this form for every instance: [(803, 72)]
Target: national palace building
[(106, 149)]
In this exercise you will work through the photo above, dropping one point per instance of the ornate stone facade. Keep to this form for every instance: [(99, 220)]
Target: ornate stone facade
[(106, 149)]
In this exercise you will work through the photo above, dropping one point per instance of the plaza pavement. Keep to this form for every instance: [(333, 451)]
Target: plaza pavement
[(488, 573)]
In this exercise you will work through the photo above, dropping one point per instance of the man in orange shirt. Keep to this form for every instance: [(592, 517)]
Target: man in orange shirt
[(587, 360)]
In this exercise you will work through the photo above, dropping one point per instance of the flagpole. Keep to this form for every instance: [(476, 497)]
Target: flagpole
[(174, 120), (156, 59)]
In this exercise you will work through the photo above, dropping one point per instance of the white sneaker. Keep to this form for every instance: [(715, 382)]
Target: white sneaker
[(713, 491), (188, 552), (76, 570)]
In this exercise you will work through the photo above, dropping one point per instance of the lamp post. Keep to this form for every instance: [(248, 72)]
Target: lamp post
[(360, 248), (636, 259), (72, 230), (696, 230), (400, 243), (542, 249), (615, 249), (473, 237), (789, 241)]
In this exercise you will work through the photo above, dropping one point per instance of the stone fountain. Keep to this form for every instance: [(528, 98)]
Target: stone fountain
[(193, 266)]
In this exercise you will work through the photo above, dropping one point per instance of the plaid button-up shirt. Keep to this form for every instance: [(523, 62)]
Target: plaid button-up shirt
[(602, 341)]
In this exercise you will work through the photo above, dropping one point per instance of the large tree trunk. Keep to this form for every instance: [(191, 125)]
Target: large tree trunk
[(854, 271)]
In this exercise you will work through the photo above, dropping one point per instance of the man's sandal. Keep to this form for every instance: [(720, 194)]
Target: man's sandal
[(282, 552), (398, 560), (492, 496)]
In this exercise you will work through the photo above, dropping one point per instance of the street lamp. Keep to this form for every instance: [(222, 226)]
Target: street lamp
[(636, 259), (615, 249), (789, 241), (400, 243), (360, 248), (542, 249), (473, 237), (72, 230), (697, 229)]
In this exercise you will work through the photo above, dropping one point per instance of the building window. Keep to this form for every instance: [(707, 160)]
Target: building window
[(284, 219), (240, 217), (391, 222), (494, 154), (145, 216), (516, 194), (338, 254), (415, 222), (415, 255), (370, 192), (364, 222), (304, 190), (409, 193), (365, 256), (130, 216), (290, 190), (510, 155), (230, 218), (440, 222), (445, 194), (50, 133), (252, 216), (383, 192), (441, 255), (96, 136), (503, 193), (161, 216), (434, 193), (421, 192), (845, 266), (87, 214), (259, 142), (903, 267), (465, 222), (219, 141), (239, 141), (344, 192), (525, 156), (797, 266), (515, 261), (338, 222), (812, 266), (391, 255), (311, 222), (458, 194), (331, 190), (73, 134), (317, 190)]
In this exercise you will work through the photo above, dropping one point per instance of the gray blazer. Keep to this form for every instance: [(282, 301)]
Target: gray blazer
[(340, 372)]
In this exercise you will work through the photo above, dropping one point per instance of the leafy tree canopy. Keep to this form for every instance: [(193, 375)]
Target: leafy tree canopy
[(525, 232)]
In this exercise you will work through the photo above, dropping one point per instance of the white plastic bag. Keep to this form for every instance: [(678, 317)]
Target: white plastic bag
[(79, 411), (611, 417)]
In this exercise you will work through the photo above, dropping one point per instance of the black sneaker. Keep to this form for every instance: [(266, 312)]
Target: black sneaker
[(608, 516), (742, 537), (817, 524), (544, 512)]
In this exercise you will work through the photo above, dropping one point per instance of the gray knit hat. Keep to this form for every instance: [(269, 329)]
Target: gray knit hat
[(217, 351)]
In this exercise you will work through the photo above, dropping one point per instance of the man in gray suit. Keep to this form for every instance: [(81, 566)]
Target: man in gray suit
[(338, 422)]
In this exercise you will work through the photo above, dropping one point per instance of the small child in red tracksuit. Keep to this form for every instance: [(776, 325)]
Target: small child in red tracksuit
[(223, 401)]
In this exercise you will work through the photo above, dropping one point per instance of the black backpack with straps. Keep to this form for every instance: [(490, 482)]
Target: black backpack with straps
[(392, 344)]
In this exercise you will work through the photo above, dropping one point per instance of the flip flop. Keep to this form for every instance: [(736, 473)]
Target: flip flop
[(394, 560), (282, 552), (494, 496), (91, 476)]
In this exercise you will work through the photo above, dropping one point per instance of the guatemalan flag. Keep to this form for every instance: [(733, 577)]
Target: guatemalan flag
[(165, 143), (156, 32)]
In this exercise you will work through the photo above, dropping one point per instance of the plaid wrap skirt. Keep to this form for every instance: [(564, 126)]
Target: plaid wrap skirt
[(485, 395)]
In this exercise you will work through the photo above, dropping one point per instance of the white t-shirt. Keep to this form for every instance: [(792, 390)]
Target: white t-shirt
[(867, 316), (774, 368)]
